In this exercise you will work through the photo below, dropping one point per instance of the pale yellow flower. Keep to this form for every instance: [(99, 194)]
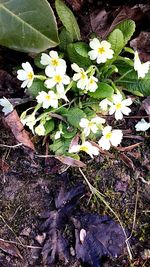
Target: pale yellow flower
[(26, 75), (86, 147), (47, 100), (110, 137), (92, 125), (101, 51)]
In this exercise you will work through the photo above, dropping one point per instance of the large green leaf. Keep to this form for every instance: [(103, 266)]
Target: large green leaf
[(27, 25), (78, 53), (74, 116), (133, 84), (128, 28), (117, 43), (68, 20), (104, 90)]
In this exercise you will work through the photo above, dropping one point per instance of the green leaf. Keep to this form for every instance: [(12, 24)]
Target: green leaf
[(74, 116), (28, 26), (104, 90), (65, 39), (117, 43), (49, 126), (89, 113), (78, 53), (68, 132), (133, 84), (36, 87), (60, 146), (68, 20), (128, 28)]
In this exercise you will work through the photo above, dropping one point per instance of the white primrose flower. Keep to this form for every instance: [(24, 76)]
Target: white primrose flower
[(142, 125), (141, 68), (47, 99), (53, 60), (30, 121), (86, 147), (57, 77), (61, 94), (40, 130), (26, 75), (104, 104), (101, 51), (92, 125), (110, 137), (80, 76), (120, 106), (7, 106), (58, 134), (91, 84)]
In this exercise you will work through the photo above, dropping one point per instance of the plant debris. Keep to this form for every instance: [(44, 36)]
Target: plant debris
[(95, 236)]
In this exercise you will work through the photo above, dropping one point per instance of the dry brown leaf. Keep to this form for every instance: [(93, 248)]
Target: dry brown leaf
[(127, 161), (70, 161), (4, 166), (146, 106), (14, 123), (128, 148), (142, 45), (9, 248)]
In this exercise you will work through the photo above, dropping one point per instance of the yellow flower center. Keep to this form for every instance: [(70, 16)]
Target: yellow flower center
[(108, 135), (91, 124), (48, 97), (84, 148), (58, 79), (83, 76), (30, 75), (101, 50), (55, 62), (91, 81), (118, 106)]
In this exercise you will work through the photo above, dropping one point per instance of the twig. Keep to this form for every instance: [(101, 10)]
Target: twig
[(18, 244), (100, 196), (2, 145), (135, 212)]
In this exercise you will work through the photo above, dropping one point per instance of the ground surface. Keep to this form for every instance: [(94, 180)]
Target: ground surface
[(27, 186)]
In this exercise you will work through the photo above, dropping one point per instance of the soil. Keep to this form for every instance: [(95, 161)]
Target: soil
[(27, 186)]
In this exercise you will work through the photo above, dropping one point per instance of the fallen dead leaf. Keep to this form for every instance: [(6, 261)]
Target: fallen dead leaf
[(9, 248), (70, 161), (4, 166), (142, 45), (14, 123), (146, 106), (127, 161), (128, 148)]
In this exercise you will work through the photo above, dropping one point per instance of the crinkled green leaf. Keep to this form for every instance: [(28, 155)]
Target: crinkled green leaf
[(36, 87), (133, 84), (74, 116), (128, 28), (68, 20), (78, 53), (104, 90), (68, 132), (60, 146), (27, 25), (49, 126), (116, 39)]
